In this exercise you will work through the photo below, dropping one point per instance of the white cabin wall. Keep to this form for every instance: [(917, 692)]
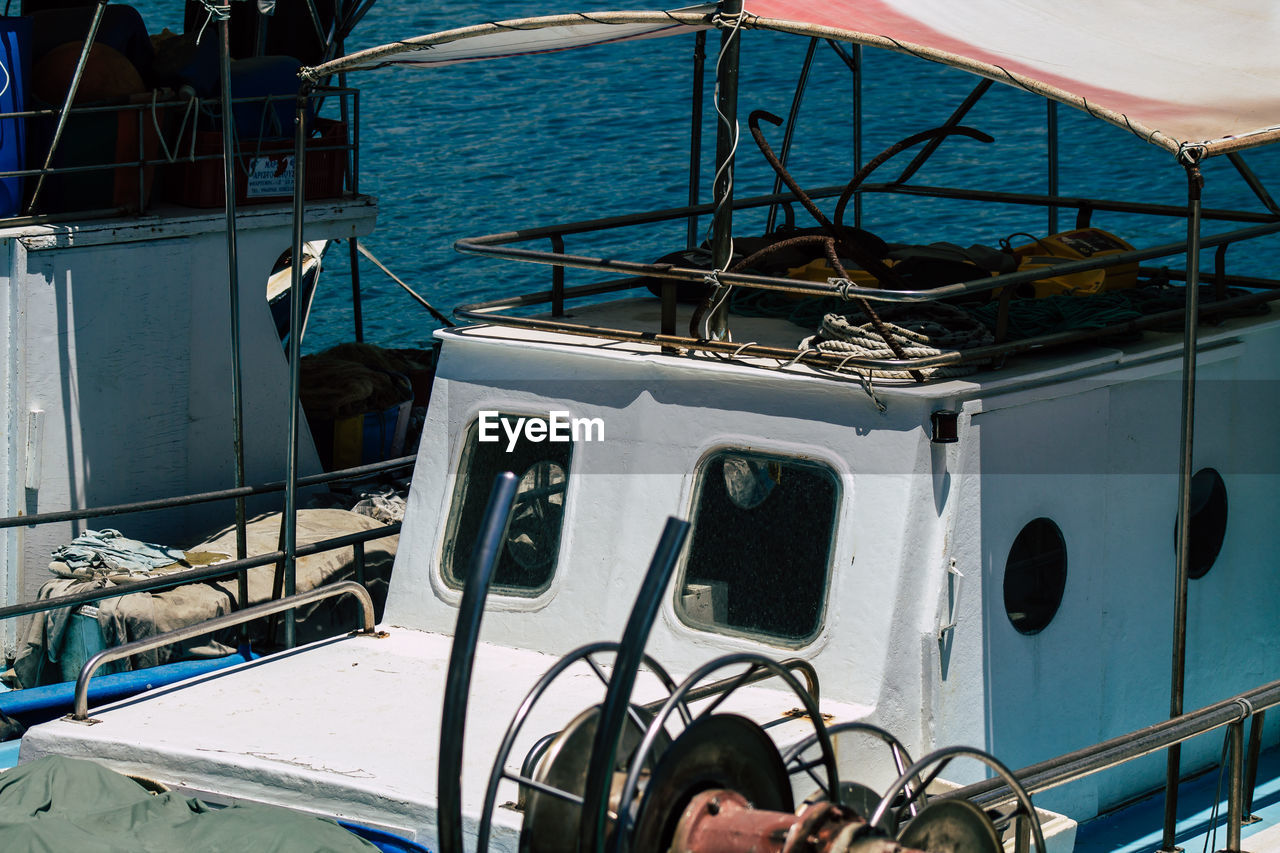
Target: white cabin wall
[(122, 341), (1099, 457), (889, 564), (1096, 453)]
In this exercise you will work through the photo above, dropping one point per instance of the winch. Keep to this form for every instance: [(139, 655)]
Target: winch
[(661, 777)]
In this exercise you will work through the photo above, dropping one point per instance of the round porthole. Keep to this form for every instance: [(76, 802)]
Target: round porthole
[(1035, 576), (1208, 521)]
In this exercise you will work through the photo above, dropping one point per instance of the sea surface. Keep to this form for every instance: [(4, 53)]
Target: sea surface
[(486, 147)]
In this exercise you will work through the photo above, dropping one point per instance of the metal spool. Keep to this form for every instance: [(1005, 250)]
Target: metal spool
[(957, 826), (716, 751), (951, 826), (862, 799), (549, 820)]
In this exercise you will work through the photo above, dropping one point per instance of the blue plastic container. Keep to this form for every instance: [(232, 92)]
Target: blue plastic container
[(15, 67)]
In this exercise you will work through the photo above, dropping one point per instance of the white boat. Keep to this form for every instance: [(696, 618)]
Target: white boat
[(966, 537)]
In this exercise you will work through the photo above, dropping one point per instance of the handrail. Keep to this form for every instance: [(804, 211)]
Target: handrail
[(715, 688), (813, 288), (185, 141), (836, 361), (207, 573), (203, 497), (587, 226), (1051, 773), (177, 635)]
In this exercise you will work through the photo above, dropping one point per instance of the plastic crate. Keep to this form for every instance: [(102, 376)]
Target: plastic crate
[(264, 169)]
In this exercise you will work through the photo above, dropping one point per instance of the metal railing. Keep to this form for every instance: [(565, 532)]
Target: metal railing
[(81, 712), (155, 148), (503, 245), (1233, 712), (218, 571)]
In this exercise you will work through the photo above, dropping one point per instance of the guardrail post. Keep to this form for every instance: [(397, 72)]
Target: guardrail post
[(1235, 797), (1251, 766), (557, 278)]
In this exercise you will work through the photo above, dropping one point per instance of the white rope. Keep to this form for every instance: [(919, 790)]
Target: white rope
[(921, 332), (217, 12), (193, 106)]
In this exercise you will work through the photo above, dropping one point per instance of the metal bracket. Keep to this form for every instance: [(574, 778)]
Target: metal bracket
[(954, 576)]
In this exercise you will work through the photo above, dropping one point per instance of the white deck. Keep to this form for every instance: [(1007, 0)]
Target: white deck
[(348, 728)]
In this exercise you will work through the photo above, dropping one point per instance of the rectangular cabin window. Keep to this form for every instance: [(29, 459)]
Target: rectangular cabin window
[(760, 551), (528, 559)]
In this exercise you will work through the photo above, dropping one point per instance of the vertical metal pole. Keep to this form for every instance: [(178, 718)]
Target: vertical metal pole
[(65, 112), (726, 147), (233, 292), (1235, 796), (695, 133), (142, 169), (357, 301), (857, 129), (557, 278), (1051, 129), (357, 557), (790, 130), (357, 307), (1195, 183), (1251, 764), (290, 520)]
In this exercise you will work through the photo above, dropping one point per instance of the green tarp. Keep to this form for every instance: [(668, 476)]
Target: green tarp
[(60, 805)]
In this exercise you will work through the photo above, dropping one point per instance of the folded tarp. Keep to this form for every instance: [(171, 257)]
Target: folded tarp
[(60, 803)]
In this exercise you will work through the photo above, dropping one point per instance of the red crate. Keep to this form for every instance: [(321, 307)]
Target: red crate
[(264, 171)]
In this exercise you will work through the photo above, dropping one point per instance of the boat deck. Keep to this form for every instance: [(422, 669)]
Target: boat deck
[(1119, 831), (358, 737)]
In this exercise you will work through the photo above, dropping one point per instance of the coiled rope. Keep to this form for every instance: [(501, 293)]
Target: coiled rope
[(923, 331)]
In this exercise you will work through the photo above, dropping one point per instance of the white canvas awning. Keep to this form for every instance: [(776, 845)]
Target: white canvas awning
[(1178, 73)]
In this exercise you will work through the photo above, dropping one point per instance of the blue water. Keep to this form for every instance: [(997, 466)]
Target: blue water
[(487, 147)]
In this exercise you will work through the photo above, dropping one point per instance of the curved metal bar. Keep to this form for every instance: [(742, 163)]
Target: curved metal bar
[(91, 666), (617, 698), (680, 695), (715, 688), (895, 748), (942, 757), (498, 773), (466, 636)]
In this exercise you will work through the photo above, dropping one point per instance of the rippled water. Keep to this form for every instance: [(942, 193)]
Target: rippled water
[(488, 147)]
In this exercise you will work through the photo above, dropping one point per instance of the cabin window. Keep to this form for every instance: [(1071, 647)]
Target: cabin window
[(532, 543), (1035, 576), (760, 550), (1208, 522)]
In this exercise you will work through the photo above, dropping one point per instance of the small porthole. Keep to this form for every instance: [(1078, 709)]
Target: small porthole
[(1208, 521), (1035, 576)]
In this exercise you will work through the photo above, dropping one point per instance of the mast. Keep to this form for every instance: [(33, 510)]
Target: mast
[(1190, 159), (729, 19)]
